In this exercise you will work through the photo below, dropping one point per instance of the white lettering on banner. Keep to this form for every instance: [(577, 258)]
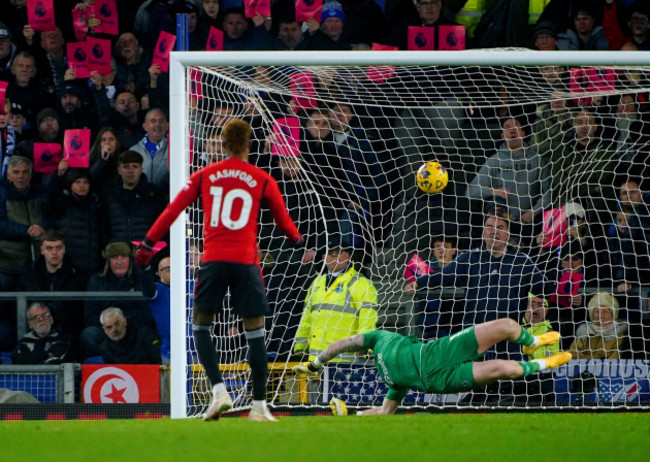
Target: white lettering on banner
[(111, 385), (233, 173), (623, 368)]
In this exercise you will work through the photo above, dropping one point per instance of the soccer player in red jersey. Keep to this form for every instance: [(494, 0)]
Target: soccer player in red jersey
[(231, 193)]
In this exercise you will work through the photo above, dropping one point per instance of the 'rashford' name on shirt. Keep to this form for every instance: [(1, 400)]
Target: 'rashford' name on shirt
[(233, 173)]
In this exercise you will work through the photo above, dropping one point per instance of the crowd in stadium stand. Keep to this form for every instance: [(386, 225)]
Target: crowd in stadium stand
[(72, 229)]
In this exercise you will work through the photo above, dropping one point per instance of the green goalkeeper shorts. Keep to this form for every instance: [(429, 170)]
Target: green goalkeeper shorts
[(447, 362)]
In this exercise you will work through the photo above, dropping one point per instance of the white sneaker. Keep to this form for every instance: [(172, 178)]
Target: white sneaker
[(261, 415), (220, 402)]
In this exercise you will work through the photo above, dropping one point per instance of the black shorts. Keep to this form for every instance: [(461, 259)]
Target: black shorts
[(247, 293)]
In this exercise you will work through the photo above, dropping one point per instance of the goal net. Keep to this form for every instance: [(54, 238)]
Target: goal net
[(550, 148)]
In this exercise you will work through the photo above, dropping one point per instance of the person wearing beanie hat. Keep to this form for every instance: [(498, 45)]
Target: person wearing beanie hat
[(329, 34), (7, 52), (603, 336), (120, 274), (74, 110), (47, 113), (545, 36)]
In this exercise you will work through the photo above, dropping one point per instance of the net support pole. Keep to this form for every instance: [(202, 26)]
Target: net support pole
[(179, 167)]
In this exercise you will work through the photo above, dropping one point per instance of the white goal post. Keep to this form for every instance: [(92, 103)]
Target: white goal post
[(357, 62)]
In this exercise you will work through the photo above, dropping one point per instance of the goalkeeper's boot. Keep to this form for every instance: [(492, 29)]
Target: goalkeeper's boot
[(338, 407), (261, 414), (548, 338), (220, 402), (557, 359)]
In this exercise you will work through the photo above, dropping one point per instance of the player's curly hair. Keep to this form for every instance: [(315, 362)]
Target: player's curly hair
[(236, 136)]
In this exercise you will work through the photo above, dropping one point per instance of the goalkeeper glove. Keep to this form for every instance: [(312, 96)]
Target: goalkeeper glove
[(308, 369), (299, 242), (144, 252)]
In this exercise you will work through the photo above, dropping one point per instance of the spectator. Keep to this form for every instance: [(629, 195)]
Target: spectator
[(545, 36), (330, 33), (7, 137), (154, 149), (340, 303), (25, 90), (74, 110), (22, 220), (516, 173), (155, 16), (119, 275), (435, 317), (496, 278), (43, 344), (76, 211), (127, 343), (103, 157), (53, 272), (132, 65), (7, 51), (584, 35), (638, 27), (19, 123), (553, 121), (628, 126), (160, 307), (238, 34), (539, 387), (603, 336), (47, 124), (208, 17), (51, 60), (290, 36), (429, 14), (14, 13), (131, 203), (124, 117)]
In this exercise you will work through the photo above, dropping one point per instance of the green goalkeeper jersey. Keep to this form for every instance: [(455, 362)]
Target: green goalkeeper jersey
[(441, 366)]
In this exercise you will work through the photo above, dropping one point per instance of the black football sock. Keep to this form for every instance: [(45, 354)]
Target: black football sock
[(207, 353), (258, 362)]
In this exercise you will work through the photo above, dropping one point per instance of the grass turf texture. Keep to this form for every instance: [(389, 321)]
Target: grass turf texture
[(440, 437)]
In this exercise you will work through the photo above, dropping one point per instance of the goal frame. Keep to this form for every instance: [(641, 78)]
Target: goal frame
[(179, 149)]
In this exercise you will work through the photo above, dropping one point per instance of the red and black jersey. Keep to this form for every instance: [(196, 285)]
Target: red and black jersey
[(231, 192)]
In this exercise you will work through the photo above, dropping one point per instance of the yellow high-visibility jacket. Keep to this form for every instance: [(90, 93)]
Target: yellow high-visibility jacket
[(347, 307), (535, 8), (470, 14)]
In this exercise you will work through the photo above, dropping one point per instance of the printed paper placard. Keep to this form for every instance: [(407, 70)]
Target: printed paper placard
[(40, 15), (416, 267), (380, 74), (302, 90), (99, 55), (253, 7), (164, 46), (421, 38), (307, 9), (77, 54), (451, 37), (76, 147), (47, 157), (106, 12), (286, 132), (215, 40)]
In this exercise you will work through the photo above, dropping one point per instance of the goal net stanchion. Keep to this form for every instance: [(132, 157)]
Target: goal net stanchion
[(344, 134)]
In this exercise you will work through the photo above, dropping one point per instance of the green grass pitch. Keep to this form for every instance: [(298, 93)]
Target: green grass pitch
[(521, 437)]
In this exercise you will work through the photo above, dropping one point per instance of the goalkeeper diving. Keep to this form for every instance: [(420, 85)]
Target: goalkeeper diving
[(445, 365)]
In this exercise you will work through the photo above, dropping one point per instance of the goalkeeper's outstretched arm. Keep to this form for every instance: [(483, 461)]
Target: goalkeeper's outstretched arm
[(346, 345)]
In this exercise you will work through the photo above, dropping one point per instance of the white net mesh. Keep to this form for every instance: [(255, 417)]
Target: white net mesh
[(559, 151)]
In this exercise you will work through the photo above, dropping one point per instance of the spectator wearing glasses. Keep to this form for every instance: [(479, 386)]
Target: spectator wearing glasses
[(43, 344), (428, 14), (638, 26)]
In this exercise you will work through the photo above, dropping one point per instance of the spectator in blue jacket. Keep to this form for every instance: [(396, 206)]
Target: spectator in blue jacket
[(496, 278)]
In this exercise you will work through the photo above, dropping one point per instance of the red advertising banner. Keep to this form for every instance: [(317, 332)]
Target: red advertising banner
[(47, 157), (120, 383), (215, 40), (40, 15), (76, 147), (99, 55), (381, 73), (421, 38), (164, 46), (286, 132), (77, 54), (451, 37), (302, 90), (252, 7), (307, 9), (106, 12)]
